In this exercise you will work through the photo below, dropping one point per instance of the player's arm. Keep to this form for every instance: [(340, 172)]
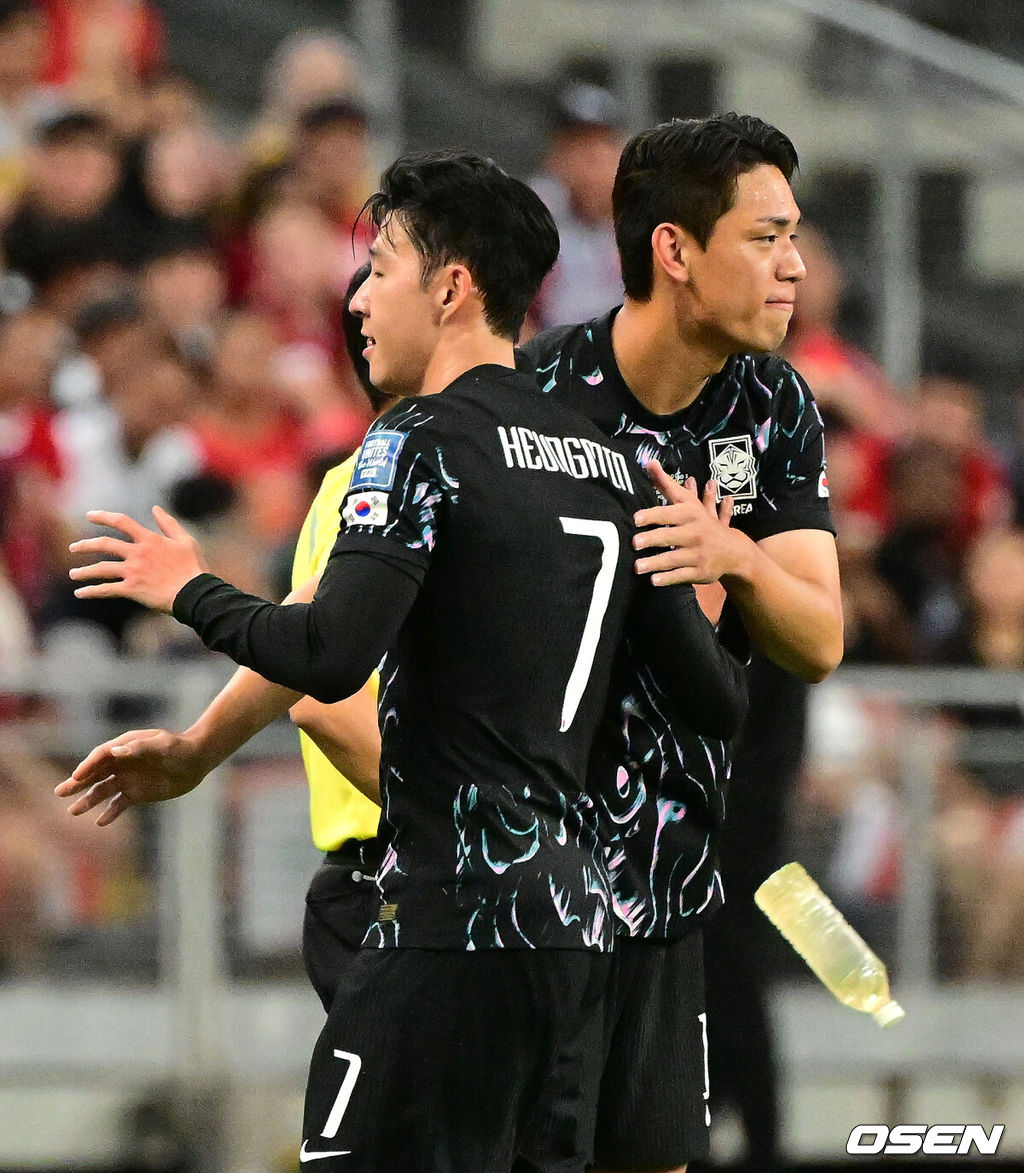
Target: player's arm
[(673, 638), (326, 648), (347, 734), (786, 590), (153, 765), (785, 587)]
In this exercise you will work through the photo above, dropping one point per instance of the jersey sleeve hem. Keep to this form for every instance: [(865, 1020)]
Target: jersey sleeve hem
[(795, 519), (392, 550)]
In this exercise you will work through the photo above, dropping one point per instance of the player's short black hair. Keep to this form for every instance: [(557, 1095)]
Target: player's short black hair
[(355, 343), (684, 172), (459, 207)]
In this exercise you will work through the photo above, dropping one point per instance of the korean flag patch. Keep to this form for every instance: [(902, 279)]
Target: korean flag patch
[(378, 460), (365, 509)]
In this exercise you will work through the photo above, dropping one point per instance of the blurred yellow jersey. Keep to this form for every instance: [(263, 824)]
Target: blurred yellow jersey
[(337, 811)]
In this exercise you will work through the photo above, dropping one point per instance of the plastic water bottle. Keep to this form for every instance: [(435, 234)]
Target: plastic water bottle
[(816, 929)]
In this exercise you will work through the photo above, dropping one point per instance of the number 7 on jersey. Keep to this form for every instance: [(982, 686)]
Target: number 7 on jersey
[(608, 535)]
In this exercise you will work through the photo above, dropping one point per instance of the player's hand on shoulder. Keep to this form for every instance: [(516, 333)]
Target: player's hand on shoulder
[(138, 767), (690, 537), (147, 566)]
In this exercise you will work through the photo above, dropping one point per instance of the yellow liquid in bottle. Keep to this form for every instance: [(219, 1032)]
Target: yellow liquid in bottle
[(837, 954)]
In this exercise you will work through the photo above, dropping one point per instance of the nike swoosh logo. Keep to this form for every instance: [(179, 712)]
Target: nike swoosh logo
[(304, 1156)]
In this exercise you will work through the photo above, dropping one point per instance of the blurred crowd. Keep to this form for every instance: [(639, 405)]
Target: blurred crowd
[(929, 514), (170, 301), (170, 309), (928, 510), (170, 305)]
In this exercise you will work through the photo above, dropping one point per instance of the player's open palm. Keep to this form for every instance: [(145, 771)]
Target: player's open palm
[(691, 539), (141, 766), (144, 565)]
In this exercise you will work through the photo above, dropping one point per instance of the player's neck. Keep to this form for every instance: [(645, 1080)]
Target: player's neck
[(460, 351), (664, 368)]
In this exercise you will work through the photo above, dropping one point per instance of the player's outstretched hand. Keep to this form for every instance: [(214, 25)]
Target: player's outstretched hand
[(691, 532), (145, 566), (141, 766)]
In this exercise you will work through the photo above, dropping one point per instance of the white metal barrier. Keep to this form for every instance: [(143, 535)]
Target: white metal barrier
[(227, 1056)]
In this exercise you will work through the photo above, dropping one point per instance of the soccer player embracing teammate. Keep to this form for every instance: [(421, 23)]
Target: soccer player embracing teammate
[(683, 377), (487, 561)]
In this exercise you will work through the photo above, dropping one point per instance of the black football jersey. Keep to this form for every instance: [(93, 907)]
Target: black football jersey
[(518, 513), (660, 787), (487, 565)]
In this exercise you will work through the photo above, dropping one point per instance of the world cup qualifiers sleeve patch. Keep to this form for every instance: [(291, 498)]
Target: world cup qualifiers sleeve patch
[(378, 460), (365, 508), (823, 484)]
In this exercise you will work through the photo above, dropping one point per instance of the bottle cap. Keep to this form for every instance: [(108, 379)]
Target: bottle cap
[(891, 1012)]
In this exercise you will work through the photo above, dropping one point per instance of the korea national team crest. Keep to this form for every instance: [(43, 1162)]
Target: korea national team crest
[(734, 468), (365, 509)]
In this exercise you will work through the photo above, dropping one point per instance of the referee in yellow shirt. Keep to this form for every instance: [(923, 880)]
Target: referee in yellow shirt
[(342, 899)]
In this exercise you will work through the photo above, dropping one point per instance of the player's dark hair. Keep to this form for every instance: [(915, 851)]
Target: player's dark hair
[(351, 329), (461, 208), (684, 172)]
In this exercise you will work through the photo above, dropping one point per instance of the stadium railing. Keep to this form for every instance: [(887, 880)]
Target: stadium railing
[(191, 1020)]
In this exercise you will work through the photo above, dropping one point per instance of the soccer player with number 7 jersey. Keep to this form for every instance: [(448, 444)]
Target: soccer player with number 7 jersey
[(487, 552)]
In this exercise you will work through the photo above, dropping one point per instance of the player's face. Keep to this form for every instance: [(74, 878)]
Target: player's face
[(743, 285), (399, 316)]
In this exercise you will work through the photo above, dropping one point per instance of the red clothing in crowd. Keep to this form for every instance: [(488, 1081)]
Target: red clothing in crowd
[(267, 467), (76, 28), (30, 471)]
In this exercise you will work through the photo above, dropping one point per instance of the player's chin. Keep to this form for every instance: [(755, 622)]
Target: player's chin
[(777, 327), (382, 378), (764, 338)]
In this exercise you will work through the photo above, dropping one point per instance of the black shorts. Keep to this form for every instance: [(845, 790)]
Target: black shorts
[(341, 904), (436, 1061), (653, 1104)]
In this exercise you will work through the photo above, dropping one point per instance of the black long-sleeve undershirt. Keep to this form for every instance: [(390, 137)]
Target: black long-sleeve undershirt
[(326, 649), (329, 647), (704, 685)]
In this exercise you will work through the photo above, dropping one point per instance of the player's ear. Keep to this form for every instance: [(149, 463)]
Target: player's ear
[(455, 287), (671, 247)]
